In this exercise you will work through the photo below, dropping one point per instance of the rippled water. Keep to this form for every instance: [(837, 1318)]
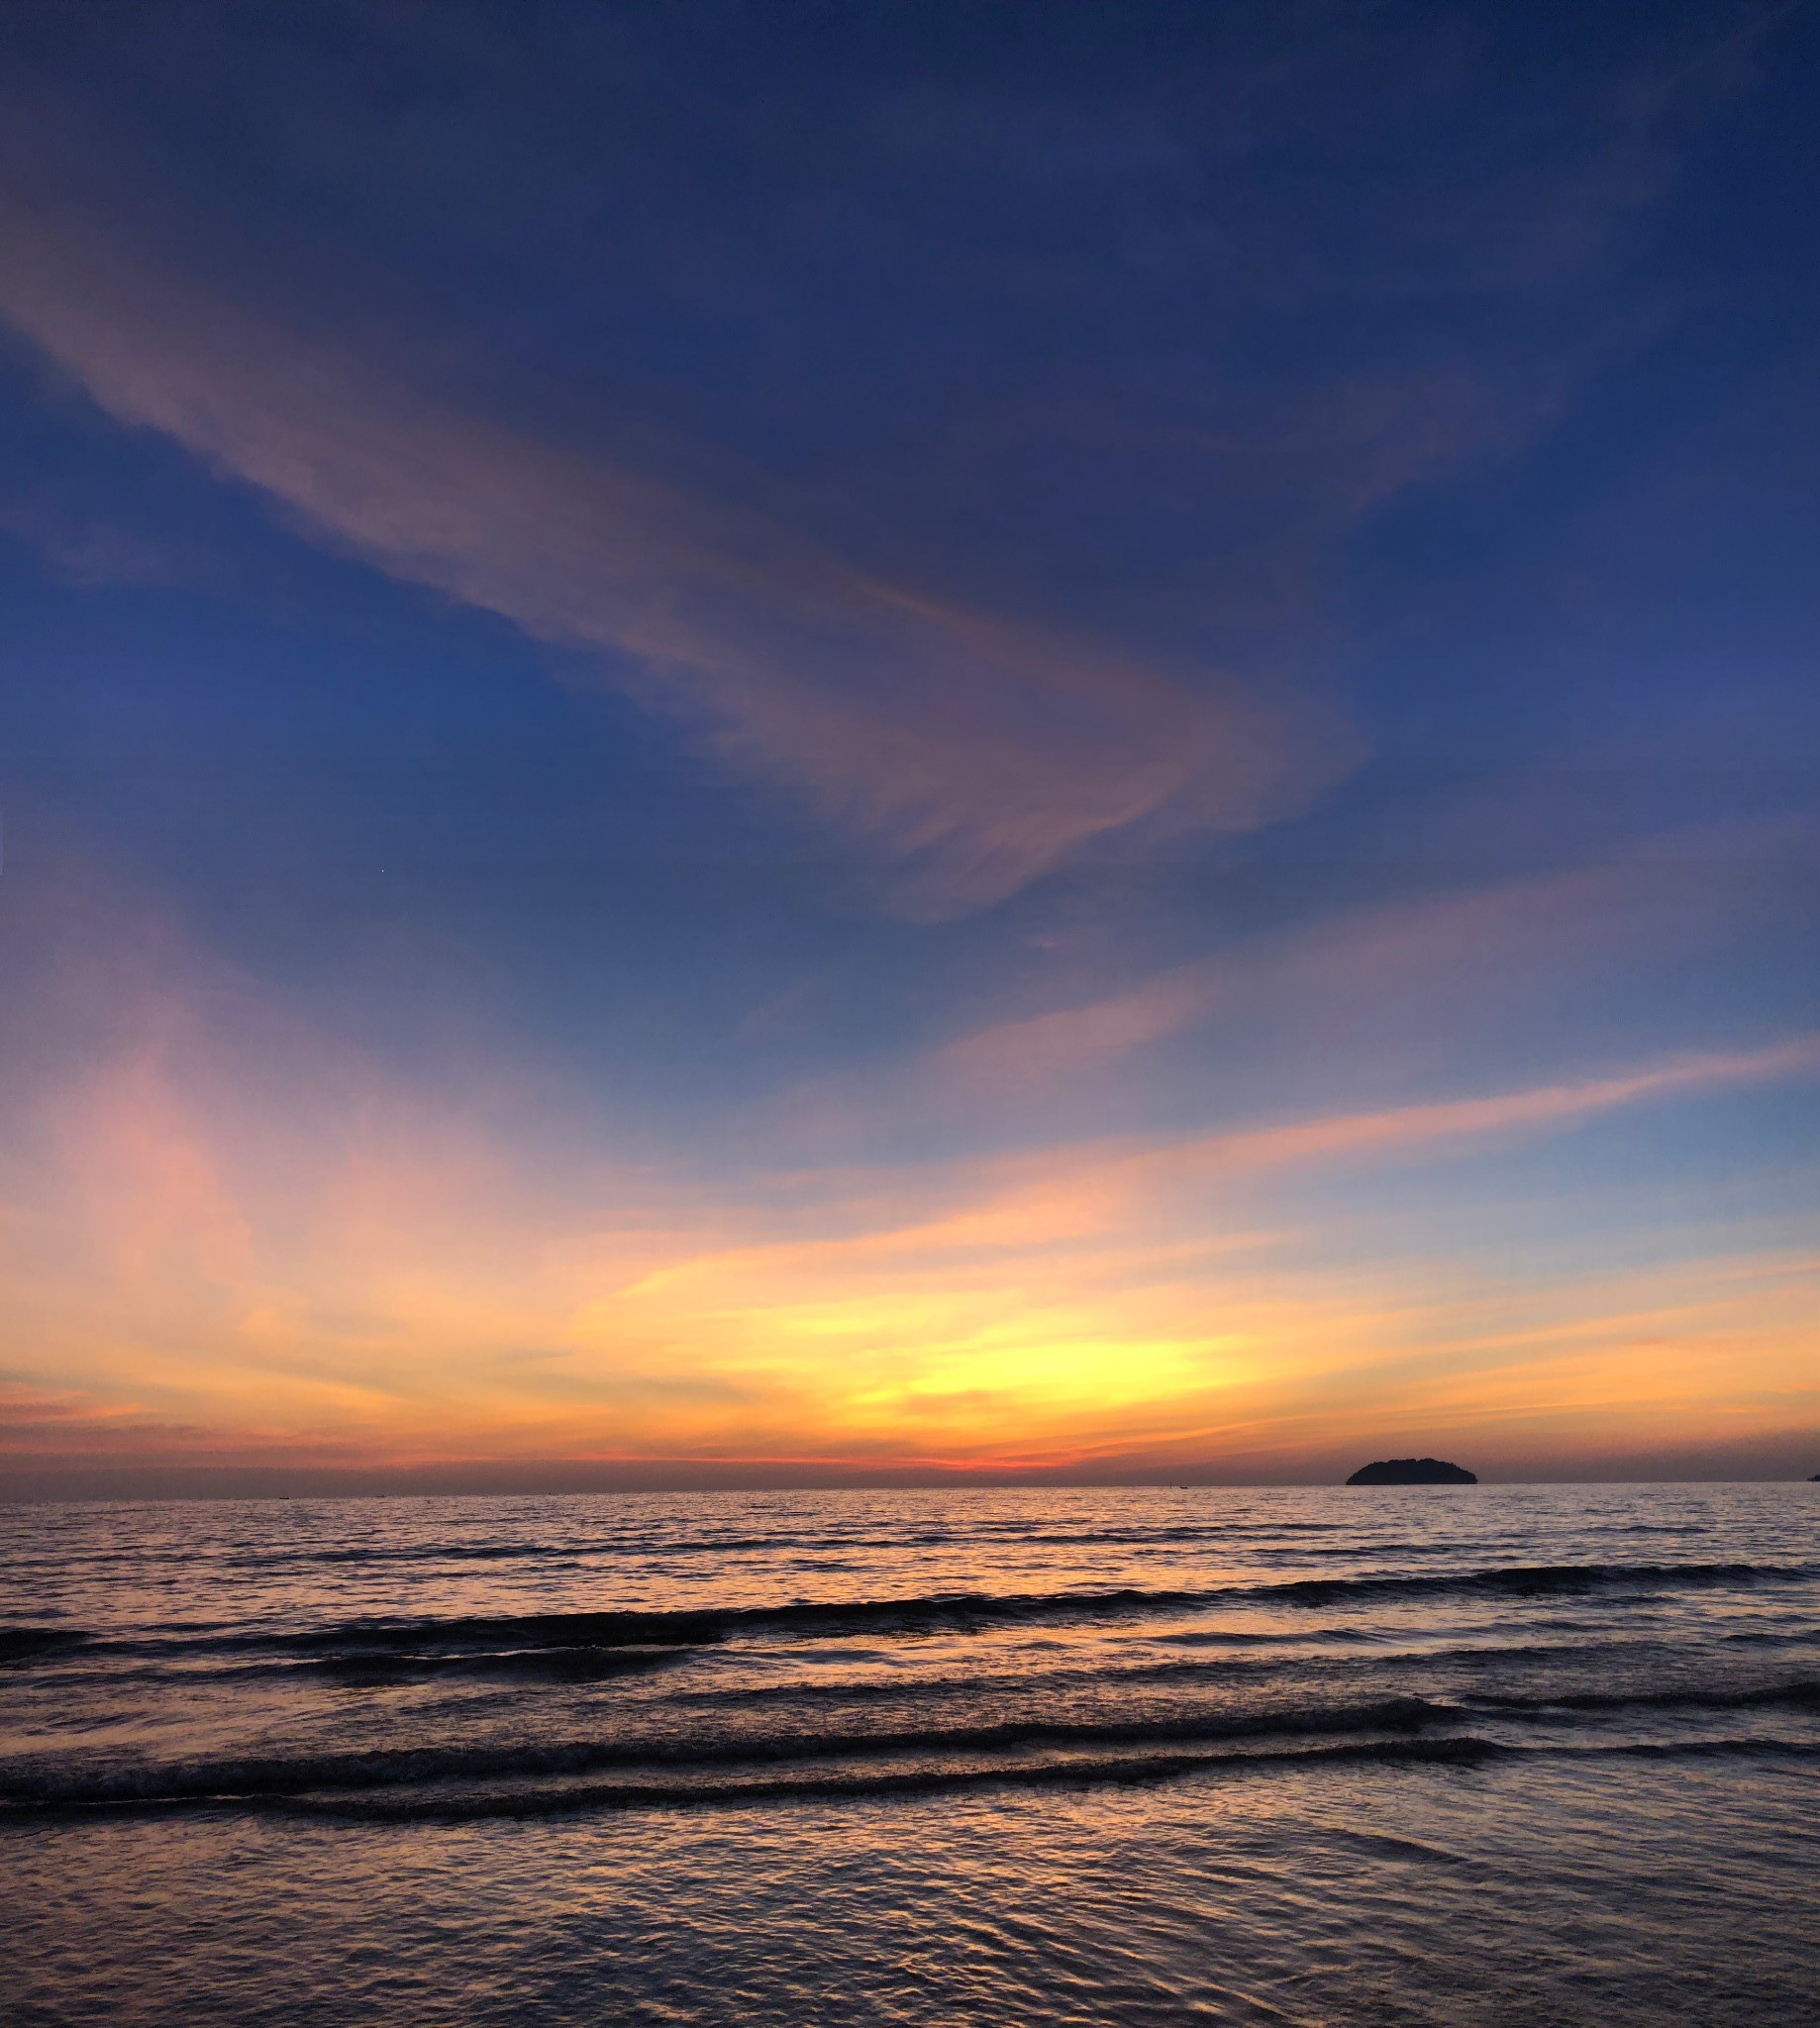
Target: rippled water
[(1488, 1754)]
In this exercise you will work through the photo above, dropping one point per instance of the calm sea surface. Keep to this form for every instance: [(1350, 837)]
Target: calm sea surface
[(1484, 1754)]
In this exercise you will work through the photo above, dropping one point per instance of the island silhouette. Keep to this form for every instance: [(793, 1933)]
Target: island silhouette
[(1413, 1472)]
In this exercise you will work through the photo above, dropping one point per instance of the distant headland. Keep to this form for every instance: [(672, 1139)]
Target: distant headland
[(1413, 1472)]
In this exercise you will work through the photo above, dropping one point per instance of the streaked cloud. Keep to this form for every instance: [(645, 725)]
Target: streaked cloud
[(979, 751), (1415, 988)]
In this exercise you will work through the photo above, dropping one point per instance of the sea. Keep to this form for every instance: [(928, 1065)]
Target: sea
[(1478, 1755)]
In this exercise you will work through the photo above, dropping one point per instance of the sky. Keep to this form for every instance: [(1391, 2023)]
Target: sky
[(810, 743)]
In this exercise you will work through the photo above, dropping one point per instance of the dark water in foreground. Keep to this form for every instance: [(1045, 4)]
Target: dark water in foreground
[(1485, 1756)]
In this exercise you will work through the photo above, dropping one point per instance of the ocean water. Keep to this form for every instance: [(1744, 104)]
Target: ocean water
[(1431, 1755)]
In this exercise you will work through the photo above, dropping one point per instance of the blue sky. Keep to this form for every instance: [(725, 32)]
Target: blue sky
[(705, 630)]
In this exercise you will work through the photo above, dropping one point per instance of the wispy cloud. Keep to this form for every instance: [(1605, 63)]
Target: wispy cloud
[(1408, 987), (980, 751), (1095, 1188), (1538, 1107), (977, 739)]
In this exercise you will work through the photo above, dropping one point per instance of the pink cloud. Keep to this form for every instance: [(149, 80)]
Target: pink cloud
[(978, 751), (1399, 974)]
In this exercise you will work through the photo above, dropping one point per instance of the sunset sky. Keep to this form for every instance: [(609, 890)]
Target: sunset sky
[(805, 742)]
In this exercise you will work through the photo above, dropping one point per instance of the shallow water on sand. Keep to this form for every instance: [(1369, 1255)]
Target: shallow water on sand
[(1488, 1754)]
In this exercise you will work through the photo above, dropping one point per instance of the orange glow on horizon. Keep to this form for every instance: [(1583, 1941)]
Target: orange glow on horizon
[(386, 1290)]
